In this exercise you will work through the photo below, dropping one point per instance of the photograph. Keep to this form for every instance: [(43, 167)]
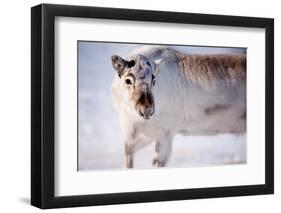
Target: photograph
[(144, 106), (141, 105)]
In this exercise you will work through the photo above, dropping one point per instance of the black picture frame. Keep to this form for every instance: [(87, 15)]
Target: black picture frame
[(43, 105)]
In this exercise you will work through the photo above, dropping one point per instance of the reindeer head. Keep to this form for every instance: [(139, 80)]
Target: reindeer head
[(137, 76)]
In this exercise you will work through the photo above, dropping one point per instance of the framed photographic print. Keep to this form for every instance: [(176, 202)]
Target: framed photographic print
[(140, 106)]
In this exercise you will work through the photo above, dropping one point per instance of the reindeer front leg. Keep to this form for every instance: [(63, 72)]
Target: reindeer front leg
[(129, 155), (130, 133), (133, 141), (131, 146), (163, 149)]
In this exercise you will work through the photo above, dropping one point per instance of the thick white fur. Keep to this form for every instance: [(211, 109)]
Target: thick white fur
[(179, 108)]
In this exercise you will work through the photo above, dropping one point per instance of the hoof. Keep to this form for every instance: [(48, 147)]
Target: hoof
[(157, 163)]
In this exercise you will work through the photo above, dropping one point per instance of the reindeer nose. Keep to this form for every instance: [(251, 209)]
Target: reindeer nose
[(146, 112)]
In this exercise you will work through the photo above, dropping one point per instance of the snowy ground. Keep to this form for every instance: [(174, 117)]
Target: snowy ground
[(100, 143)]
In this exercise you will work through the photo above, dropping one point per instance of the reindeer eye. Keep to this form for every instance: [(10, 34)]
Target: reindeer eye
[(131, 63), (128, 81)]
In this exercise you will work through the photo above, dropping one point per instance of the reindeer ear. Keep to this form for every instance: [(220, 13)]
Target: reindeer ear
[(156, 66), (118, 64)]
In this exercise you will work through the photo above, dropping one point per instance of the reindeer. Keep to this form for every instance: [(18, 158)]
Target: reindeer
[(160, 92)]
